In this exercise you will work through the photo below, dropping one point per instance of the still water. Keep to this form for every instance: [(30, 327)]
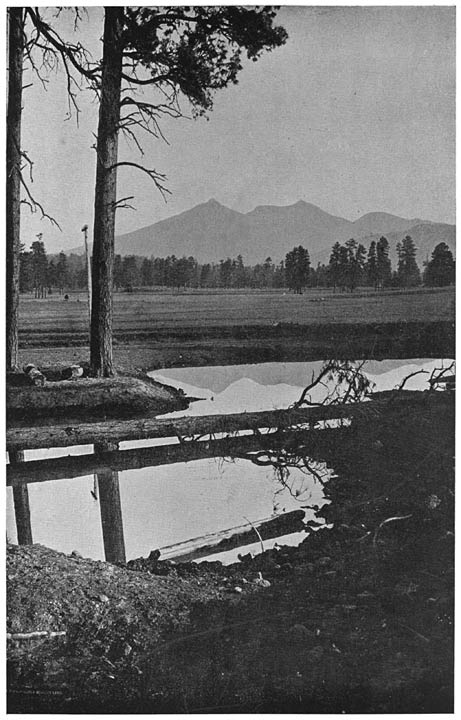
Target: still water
[(165, 505)]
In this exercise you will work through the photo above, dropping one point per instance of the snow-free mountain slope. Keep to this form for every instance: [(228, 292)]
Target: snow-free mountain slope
[(211, 232)]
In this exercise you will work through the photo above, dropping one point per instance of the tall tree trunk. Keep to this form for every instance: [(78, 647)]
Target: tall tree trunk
[(105, 195), (13, 181)]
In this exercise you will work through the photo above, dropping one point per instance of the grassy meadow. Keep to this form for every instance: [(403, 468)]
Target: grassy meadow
[(148, 311)]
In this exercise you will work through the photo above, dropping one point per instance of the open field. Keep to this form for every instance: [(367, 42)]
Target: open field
[(148, 312), (164, 329)]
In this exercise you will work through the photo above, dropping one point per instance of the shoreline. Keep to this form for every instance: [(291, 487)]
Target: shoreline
[(251, 344)]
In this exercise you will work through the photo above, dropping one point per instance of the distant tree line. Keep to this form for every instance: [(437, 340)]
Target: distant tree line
[(350, 266)]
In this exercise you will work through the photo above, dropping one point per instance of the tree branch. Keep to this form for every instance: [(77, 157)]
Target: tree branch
[(157, 178), (34, 205), (405, 379), (122, 204)]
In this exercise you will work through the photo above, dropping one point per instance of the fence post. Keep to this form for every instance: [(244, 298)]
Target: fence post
[(21, 505), (111, 509)]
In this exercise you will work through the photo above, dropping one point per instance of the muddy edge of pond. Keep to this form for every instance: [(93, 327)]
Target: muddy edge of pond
[(187, 347), (358, 618)]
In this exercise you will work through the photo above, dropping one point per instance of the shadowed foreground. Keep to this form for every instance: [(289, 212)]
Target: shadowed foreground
[(358, 618)]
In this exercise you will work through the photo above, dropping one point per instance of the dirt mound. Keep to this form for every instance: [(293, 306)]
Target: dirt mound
[(121, 396)]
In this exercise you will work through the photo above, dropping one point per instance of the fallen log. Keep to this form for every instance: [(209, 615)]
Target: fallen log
[(233, 538), (74, 466), (35, 376), (28, 438)]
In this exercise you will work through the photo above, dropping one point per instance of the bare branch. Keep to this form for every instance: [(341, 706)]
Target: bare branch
[(439, 375), (405, 379), (303, 399), (122, 203), (352, 383), (34, 205), (157, 178), (75, 54)]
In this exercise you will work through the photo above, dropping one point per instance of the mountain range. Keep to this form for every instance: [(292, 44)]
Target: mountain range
[(211, 232)]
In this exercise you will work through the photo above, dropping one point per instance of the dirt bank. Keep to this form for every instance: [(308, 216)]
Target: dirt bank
[(358, 618), (283, 342), (88, 398)]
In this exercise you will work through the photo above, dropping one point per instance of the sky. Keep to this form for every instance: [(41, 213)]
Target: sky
[(355, 114)]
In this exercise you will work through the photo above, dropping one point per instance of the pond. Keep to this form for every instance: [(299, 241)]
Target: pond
[(168, 504)]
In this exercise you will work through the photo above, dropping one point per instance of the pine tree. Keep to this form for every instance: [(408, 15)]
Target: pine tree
[(173, 52), (62, 272), (408, 274), (384, 268), (334, 266), (354, 257), (372, 265), (297, 265), (39, 266), (440, 271)]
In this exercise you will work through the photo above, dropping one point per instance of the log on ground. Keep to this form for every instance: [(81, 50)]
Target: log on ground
[(22, 438)]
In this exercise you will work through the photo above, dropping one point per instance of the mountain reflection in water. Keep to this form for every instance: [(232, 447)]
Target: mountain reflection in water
[(168, 504)]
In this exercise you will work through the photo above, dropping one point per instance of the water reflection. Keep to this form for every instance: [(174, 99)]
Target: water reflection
[(171, 492), (163, 505), (268, 386)]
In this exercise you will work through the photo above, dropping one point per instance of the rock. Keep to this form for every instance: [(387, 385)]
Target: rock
[(238, 589), (261, 582), (103, 598)]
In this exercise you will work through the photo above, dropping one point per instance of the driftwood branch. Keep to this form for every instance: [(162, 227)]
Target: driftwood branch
[(397, 518), (256, 531)]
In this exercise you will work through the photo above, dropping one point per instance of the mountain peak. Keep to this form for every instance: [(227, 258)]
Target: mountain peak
[(211, 232)]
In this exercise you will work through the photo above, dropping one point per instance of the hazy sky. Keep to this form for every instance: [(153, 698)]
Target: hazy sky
[(354, 114)]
